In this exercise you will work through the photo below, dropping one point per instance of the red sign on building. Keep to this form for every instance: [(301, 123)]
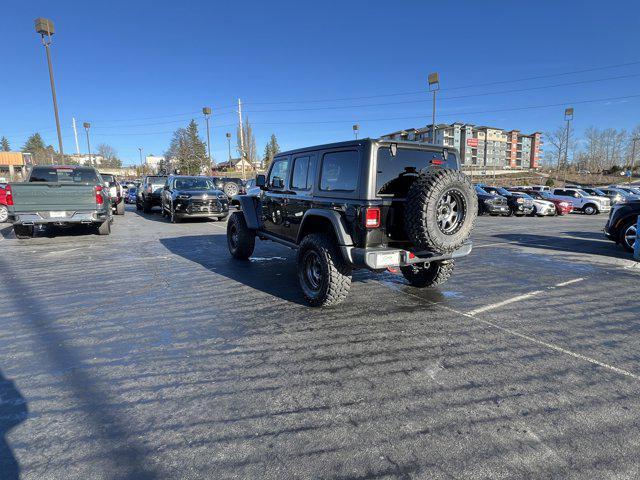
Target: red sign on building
[(472, 142)]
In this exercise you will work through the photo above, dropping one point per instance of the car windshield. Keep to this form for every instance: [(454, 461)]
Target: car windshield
[(193, 184), (522, 195), (133, 190), (502, 191), (107, 177), (584, 193), (64, 175), (156, 180), (481, 191)]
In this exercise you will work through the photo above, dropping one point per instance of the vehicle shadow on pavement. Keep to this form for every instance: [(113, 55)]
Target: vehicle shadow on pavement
[(569, 245), (275, 275), (156, 216), (13, 411), (7, 232), (126, 458)]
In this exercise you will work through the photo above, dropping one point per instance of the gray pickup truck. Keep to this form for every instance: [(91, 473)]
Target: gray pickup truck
[(59, 195)]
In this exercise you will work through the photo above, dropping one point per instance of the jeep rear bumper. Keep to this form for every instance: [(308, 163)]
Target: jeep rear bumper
[(383, 257)]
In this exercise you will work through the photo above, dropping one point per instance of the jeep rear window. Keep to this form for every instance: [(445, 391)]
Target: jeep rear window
[(395, 174), (63, 175), (339, 171)]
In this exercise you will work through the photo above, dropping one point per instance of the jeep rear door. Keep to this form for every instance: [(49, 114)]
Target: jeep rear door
[(299, 197)]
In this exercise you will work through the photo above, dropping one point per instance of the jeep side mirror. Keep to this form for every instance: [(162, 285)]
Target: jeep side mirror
[(261, 180), (277, 182)]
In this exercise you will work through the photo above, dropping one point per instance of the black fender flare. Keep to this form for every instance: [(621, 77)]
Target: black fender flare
[(337, 220), (250, 207)]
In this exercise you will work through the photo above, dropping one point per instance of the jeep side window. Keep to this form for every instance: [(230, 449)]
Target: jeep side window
[(279, 170), (339, 171), (300, 178)]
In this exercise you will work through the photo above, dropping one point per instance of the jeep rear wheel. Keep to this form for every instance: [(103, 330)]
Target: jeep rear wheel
[(323, 275), (628, 236), (424, 275), (441, 210), (240, 238), (231, 189)]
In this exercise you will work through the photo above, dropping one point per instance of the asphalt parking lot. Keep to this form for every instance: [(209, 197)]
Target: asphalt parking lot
[(151, 354)]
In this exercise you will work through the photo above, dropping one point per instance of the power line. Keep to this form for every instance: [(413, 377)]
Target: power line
[(415, 92), (339, 107)]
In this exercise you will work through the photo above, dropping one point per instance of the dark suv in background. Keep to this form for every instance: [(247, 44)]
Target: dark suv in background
[(367, 203), (193, 197), (150, 192), (518, 205), (491, 204)]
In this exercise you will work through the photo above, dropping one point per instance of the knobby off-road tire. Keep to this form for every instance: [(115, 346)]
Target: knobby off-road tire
[(628, 236), (146, 206), (240, 238), (323, 275), (441, 210), (428, 274), (23, 231)]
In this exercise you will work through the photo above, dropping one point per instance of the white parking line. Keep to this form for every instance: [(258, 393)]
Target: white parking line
[(504, 302), (522, 335), (569, 282)]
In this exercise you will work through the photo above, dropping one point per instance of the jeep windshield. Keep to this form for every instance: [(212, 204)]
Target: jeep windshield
[(395, 173), (64, 175)]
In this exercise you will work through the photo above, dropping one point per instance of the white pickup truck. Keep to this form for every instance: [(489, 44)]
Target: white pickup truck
[(581, 200)]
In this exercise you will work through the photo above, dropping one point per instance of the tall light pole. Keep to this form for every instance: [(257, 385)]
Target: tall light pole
[(206, 111), (45, 28), (87, 126), (229, 143), (356, 129), (568, 116), (434, 86), (141, 163)]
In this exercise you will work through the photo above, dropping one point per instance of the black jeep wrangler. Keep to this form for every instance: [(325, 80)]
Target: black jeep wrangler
[(367, 203)]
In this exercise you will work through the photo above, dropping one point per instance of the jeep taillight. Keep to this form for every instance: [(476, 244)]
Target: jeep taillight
[(99, 199), (8, 195), (372, 217)]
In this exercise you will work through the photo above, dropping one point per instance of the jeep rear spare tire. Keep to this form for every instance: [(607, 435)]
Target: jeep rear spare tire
[(440, 211)]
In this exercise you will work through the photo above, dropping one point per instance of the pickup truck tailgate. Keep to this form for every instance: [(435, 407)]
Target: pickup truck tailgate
[(44, 197)]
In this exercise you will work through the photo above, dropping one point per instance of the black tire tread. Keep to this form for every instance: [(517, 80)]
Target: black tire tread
[(247, 237), (421, 194), (339, 281), (438, 277)]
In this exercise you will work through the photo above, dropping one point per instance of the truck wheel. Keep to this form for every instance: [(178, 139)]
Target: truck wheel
[(4, 214), (240, 238), (23, 231), (428, 274), (120, 208), (104, 228), (441, 210), (231, 189), (146, 206), (590, 209), (628, 236), (173, 218), (323, 275)]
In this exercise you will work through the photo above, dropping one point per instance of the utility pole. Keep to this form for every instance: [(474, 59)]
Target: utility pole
[(229, 144), (207, 113), (633, 155), (356, 129), (45, 28), (87, 126), (141, 164), (241, 137), (434, 86), (75, 135)]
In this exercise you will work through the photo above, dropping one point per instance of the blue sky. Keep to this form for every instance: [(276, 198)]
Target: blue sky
[(137, 70)]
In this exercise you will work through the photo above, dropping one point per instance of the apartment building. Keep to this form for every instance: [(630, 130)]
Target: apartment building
[(480, 145)]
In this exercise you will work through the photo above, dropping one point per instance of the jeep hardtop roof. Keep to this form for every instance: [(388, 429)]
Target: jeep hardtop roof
[(369, 142)]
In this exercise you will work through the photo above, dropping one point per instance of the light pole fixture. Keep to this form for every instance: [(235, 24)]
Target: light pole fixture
[(568, 116), (228, 135), (434, 86), (45, 28), (87, 126), (356, 129), (206, 111)]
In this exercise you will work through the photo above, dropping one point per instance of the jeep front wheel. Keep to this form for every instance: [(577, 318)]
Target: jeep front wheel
[(323, 275), (424, 275), (240, 238)]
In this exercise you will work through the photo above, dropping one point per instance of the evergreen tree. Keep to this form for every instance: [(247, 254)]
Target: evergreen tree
[(34, 144), (271, 150), (4, 144), (187, 151)]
